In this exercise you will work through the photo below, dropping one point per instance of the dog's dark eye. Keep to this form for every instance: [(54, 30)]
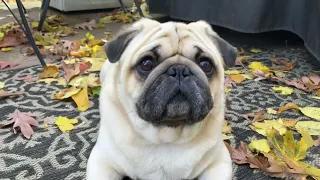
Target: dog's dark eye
[(205, 64), (146, 64)]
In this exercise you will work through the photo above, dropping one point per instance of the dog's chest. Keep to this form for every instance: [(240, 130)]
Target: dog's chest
[(165, 164)]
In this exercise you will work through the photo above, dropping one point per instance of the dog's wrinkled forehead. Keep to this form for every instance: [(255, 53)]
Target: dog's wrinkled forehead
[(171, 38)]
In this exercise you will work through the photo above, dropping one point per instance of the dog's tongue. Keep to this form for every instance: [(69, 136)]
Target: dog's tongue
[(178, 108)]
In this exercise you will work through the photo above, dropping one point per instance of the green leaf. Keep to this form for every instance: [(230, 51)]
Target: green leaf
[(96, 91)]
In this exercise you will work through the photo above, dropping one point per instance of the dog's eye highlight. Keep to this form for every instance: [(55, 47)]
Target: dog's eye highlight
[(146, 64), (205, 64)]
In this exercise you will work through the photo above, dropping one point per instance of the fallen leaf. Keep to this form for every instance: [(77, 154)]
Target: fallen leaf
[(29, 78), (87, 25), (306, 138), (288, 106), (51, 70), (23, 121), (4, 64), (46, 39), (228, 82), (70, 70), (257, 116), (66, 93), (84, 80), (227, 90), (279, 74), (283, 90), (1, 35), (289, 123), (254, 66), (82, 99), (96, 91), (62, 81), (314, 78), (285, 65), (97, 63), (230, 72), (5, 94), (263, 127), (2, 85), (313, 112), (6, 49), (238, 78), (65, 124), (271, 111), (14, 37), (298, 84), (253, 50), (260, 145), (309, 84), (226, 130), (312, 127)]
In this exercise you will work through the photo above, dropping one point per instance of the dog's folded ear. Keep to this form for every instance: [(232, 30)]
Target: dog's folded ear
[(228, 52), (115, 48)]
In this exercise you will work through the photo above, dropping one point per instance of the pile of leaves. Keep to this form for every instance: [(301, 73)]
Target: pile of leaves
[(279, 154)]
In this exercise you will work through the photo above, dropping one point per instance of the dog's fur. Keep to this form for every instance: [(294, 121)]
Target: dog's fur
[(132, 139)]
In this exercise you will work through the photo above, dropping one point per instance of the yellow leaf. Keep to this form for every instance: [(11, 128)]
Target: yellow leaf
[(260, 145), (227, 90), (1, 35), (226, 137), (89, 36), (65, 124), (271, 111), (6, 49), (313, 112), (48, 80), (238, 78), (226, 129), (2, 85), (312, 127), (254, 66), (263, 127), (51, 70), (306, 137), (232, 72), (82, 99), (80, 53), (96, 48), (253, 50), (283, 90), (97, 63), (71, 61), (289, 123), (81, 81), (313, 171), (35, 24), (62, 81), (288, 106), (248, 76), (66, 93)]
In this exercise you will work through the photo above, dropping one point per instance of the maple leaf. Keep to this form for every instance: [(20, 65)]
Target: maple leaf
[(14, 37), (4, 64), (285, 65), (23, 121), (73, 70), (298, 84), (5, 94), (87, 25), (257, 116)]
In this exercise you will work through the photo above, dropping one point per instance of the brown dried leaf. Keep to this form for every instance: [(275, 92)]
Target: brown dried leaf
[(317, 142), (288, 107), (257, 116), (87, 25), (298, 84), (14, 37), (29, 78), (5, 94), (314, 78), (228, 82), (309, 84), (285, 65), (23, 121)]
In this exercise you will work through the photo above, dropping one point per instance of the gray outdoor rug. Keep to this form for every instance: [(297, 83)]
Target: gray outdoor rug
[(53, 155)]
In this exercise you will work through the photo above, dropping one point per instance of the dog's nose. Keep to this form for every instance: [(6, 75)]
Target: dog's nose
[(179, 71)]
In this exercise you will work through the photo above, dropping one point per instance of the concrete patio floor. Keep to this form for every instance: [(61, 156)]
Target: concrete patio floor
[(71, 18)]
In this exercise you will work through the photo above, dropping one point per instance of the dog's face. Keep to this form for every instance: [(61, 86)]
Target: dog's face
[(170, 74)]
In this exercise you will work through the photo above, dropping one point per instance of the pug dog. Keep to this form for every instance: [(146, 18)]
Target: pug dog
[(162, 104)]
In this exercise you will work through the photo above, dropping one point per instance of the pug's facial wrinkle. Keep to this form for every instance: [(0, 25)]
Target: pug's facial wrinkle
[(175, 98)]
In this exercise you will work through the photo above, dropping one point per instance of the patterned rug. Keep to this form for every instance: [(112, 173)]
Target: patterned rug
[(51, 154)]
